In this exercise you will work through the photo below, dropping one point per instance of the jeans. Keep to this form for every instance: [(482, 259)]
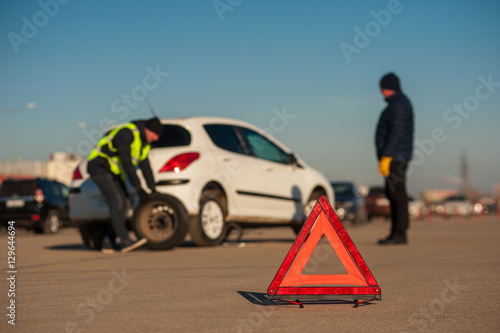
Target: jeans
[(395, 190), (116, 197)]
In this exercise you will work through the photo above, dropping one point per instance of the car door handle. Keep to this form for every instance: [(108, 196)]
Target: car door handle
[(269, 169)]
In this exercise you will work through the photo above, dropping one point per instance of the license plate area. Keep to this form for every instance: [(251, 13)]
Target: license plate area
[(15, 203)]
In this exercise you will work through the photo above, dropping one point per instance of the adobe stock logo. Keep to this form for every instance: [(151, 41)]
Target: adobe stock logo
[(373, 28), (222, 6), (40, 19)]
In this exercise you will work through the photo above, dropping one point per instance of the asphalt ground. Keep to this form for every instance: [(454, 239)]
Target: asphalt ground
[(445, 280)]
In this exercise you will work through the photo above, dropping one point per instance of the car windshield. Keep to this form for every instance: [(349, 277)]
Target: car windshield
[(457, 198), (342, 189), (18, 187)]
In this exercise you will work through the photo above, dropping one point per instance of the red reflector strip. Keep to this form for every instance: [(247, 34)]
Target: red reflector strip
[(328, 290)]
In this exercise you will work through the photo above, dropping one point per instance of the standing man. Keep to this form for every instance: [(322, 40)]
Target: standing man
[(394, 144), (116, 156)]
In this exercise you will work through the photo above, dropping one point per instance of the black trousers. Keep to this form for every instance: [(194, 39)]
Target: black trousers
[(395, 190), (116, 197)]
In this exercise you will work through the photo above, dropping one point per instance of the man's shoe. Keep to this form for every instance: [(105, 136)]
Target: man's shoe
[(392, 241), (106, 247), (383, 240), (133, 246)]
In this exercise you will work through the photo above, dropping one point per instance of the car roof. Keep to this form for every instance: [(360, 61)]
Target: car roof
[(197, 121), (206, 120)]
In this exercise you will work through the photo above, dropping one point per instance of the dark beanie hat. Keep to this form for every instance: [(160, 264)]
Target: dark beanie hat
[(154, 125), (390, 81)]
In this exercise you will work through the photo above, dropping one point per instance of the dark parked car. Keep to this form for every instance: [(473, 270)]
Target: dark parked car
[(377, 203), (39, 204), (349, 202)]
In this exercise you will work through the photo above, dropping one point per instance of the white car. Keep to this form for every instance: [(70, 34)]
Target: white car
[(212, 173), (416, 208), (457, 205)]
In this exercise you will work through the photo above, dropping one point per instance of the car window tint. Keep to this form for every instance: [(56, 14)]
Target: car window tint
[(263, 148), (18, 187), (173, 136), (225, 137), (343, 189), (376, 191)]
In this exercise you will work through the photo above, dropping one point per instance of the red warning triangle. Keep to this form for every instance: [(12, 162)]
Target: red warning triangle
[(290, 280)]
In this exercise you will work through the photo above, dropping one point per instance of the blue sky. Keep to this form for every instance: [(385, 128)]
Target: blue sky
[(315, 63)]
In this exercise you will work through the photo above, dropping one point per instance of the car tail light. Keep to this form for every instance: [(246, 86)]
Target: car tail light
[(35, 217), (77, 174), (180, 162), (38, 195), (368, 199)]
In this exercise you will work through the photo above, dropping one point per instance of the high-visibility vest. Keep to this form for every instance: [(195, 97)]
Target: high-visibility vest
[(138, 152)]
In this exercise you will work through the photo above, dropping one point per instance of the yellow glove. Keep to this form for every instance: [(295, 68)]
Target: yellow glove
[(384, 165)]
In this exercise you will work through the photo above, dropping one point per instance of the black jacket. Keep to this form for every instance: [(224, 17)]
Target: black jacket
[(394, 134), (122, 141)]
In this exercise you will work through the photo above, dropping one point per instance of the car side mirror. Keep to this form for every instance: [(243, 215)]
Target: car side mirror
[(291, 159)]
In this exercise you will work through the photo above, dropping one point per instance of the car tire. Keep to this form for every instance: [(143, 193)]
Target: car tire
[(52, 223), (162, 220), (210, 227), (93, 233), (306, 210), (360, 216)]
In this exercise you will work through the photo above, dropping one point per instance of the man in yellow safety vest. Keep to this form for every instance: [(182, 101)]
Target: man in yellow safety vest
[(116, 157)]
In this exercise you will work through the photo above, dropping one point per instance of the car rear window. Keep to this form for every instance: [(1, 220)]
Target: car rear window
[(173, 136), (225, 137), (456, 198), (376, 191), (343, 189), (18, 187)]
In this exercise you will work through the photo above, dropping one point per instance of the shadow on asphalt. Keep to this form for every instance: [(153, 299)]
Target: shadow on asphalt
[(186, 244), (76, 247), (255, 298), (261, 299)]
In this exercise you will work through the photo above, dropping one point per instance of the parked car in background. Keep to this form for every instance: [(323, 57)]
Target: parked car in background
[(349, 202), (416, 208), (39, 204), (457, 205), (486, 205), (220, 173), (377, 204)]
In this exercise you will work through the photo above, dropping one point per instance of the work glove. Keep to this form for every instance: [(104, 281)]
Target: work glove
[(384, 165), (143, 195)]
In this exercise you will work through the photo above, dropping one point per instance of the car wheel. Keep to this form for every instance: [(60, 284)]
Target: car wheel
[(162, 220), (210, 227), (93, 233), (307, 209), (52, 223), (49, 225), (360, 216)]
